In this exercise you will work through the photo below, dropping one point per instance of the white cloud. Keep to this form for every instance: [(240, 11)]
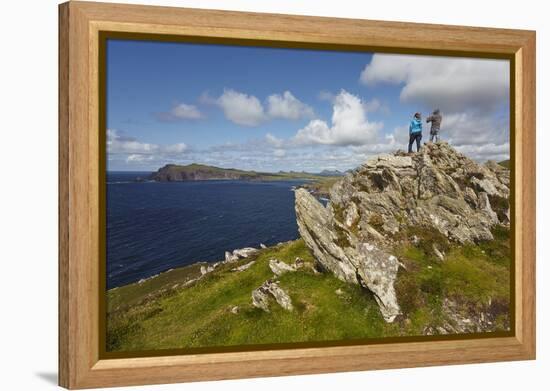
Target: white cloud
[(452, 84), (176, 148), (137, 158), (474, 128), (128, 149), (274, 141), (185, 111), (490, 151), (349, 125), (287, 106), (241, 108), (180, 112), (119, 143), (370, 106), (279, 153), (247, 110)]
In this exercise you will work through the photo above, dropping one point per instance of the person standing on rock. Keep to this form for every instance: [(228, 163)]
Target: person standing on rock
[(415, 132), (435, 119)]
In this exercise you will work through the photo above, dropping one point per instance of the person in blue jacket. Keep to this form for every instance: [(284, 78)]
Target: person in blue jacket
[(415, 132)]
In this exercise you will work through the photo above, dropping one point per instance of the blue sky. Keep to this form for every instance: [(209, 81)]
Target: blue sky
[(270, 109)]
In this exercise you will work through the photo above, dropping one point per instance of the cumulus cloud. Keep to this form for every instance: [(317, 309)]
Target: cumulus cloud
[(287, 106), (247, 110), (241, 108), (452, 84), (349, 126), (180, 112), (371, 106)]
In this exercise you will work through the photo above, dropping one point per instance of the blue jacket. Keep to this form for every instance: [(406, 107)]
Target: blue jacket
[(415, 126)]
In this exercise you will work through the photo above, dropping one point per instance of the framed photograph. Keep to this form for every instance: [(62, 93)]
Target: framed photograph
[(247, 195)]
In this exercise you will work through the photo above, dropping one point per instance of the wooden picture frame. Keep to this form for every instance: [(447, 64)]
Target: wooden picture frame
[(81, 364)]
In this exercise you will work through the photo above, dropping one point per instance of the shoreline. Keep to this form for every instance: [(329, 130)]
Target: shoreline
[(206, 264)]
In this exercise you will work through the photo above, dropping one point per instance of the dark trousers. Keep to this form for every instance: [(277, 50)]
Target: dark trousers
[(412, 138)]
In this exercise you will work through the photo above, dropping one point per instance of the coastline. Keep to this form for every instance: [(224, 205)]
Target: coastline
[(207, 265), (143, 274)]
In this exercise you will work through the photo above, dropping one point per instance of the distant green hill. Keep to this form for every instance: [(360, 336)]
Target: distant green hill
[(201, 172)]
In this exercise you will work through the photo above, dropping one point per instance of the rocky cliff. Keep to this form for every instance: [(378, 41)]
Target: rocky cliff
[(378, 205)]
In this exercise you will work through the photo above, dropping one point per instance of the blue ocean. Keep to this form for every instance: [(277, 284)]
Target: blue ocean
[(156, 226)]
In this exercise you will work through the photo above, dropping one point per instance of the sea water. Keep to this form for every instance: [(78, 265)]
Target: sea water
[(155, 226)]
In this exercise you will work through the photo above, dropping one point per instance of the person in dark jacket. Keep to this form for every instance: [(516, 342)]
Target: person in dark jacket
[(415, 132), (435, 119)]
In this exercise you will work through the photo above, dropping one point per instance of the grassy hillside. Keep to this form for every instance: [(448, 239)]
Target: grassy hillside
[(163, 313)]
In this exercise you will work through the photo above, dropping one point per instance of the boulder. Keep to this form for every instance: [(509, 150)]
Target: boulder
[(245, 252), (239, 254), (229, 257), (205, 269), (438, 252), (244, 267), (261, 296), (279, 267)]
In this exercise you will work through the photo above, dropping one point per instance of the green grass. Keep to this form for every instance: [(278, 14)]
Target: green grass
[(158, 314), (322, 185), (475, 276)]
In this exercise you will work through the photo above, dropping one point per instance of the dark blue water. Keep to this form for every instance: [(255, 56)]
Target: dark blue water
[(156, 226)]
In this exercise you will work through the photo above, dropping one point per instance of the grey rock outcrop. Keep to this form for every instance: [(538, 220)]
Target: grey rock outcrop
[(244, 267), (279, 267), (437, 188), (261, 295), (205, 269), (438, 252), (239, 254)]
